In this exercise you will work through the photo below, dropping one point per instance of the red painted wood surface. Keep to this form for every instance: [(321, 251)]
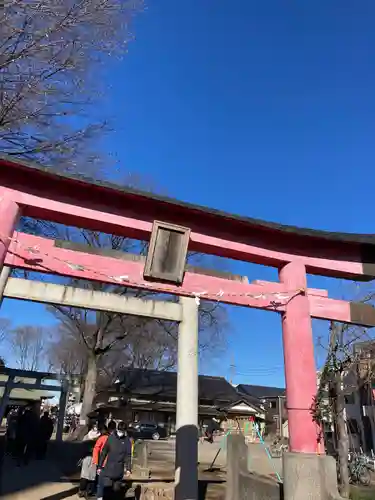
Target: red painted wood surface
[(9, 212), (300, 371), (44, 257), (40, 254), (333, 309), (311, 291), (103, 211)]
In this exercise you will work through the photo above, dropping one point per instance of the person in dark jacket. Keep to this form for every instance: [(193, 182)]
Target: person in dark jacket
[(114, 461), (45, 434), (11, 433), (213, 426), (26, 435)]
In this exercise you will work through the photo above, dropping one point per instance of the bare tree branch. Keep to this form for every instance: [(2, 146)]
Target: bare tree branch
[(29, 344), (5, 325), (50, 55)]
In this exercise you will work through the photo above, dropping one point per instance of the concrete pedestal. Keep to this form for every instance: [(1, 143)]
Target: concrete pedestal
[(243, 484), (155, 492), (309, 477), (141, 468)]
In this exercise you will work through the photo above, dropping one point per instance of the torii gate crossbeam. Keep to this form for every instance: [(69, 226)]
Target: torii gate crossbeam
[(49, 256)]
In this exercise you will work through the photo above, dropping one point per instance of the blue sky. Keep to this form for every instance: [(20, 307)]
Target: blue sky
[(264, 109)]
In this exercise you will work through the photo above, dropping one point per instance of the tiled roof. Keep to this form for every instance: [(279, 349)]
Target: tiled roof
[(164, 385), (260, 391)]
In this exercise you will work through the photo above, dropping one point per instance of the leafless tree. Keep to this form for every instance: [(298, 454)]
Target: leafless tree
[(66, 353), (103, 343), (5, 326), (29, 345), (345, 371), (51, 54)]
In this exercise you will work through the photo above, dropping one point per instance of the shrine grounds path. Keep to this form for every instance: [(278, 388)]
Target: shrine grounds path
[(57, 477)]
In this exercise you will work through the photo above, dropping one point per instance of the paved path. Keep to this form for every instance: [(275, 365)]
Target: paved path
[(40, 480), (162, 457)]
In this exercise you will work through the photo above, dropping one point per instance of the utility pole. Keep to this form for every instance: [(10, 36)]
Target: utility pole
[(232, 369)]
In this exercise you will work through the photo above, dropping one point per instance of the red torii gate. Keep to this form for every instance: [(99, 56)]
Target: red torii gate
[(36, 192)]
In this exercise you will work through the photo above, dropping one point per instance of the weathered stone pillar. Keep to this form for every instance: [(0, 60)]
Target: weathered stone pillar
[(4, 275), (186, 463), (141, 462)]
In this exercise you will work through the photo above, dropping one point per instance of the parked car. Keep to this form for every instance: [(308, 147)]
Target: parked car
[(143, 430)]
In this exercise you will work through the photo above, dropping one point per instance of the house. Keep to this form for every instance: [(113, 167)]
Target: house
[(150, 395), (363, 395), (273, 400), (358, 386)]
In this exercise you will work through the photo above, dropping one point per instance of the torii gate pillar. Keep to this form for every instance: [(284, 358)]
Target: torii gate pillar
[(307, 474), (300, 372), (9, 211), (186, 474)]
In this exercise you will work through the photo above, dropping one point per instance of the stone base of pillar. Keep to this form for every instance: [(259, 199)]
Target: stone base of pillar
[(155, 492), (142, 472), (309, 476)]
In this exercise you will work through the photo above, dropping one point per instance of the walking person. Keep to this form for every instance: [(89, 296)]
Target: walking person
[(105, 432), (87, 478), (73, 424), (19, 446), (213, 426), (93, 433), (114, 462), (11, 433), (100, 479), (26, 435), (45, 434)]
